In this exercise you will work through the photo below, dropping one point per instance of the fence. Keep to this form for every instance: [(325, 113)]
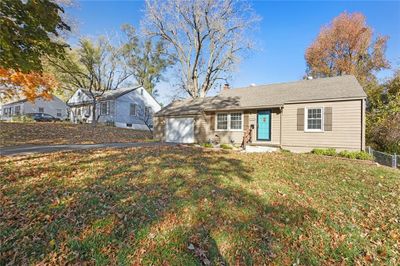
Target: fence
[(392, 160)]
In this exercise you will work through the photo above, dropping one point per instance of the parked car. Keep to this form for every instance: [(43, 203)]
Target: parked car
[(41, 117)]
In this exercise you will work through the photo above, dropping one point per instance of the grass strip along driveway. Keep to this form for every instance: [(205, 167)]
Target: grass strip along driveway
[(192, 206), (16, 134)]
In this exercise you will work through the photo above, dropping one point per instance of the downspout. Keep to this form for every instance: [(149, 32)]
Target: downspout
[(362, 124), (280, 127)]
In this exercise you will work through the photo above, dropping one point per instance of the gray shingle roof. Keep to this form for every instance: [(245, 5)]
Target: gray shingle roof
[(272, 95), (112, 94)]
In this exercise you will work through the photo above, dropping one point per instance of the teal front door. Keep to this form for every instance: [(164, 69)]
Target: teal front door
[(264, 125)]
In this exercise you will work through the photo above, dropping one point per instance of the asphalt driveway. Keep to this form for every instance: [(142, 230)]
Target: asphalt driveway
[(33, 149)]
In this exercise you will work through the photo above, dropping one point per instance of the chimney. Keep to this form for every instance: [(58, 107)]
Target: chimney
[(226, 86)]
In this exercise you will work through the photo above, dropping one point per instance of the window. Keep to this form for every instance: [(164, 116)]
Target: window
[(17, 110), (79, 111), (104, 108), (222, 121), (41, 109), (236, 121), (146, 112), (133, 109), (232, 121), (59, 112), (8, 111), (314, 119)]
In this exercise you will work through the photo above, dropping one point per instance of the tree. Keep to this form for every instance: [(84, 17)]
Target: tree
[(95, 66), (345, 47), (383, 118), (205, 37), (145, 60), (29, 30), (30, 85)]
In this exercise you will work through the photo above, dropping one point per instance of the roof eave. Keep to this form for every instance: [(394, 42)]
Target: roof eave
[(328, 100)]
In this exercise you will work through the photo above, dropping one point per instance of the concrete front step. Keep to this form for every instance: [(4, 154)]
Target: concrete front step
[(253, 148)]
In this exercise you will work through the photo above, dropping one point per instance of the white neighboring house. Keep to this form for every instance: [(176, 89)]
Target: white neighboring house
[(55, 107), (131, 107)]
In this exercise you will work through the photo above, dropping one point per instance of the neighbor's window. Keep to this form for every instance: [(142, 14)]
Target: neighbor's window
[(314, 119), (104, 108), (41, 109), (222, 121), (236, 121), (17, 110), (59, 112), (133, 109)]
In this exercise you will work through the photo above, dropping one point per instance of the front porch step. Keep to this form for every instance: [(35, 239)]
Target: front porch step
[(263, 144), (254, 148)]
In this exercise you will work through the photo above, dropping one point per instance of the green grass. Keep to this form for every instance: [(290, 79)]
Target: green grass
[(188, 206), (226, 146)]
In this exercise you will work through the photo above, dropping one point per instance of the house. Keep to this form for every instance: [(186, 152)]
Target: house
[(298, 116), (131, 107), (53, 106)]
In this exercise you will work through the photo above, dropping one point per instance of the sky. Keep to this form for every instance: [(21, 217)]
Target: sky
[(286, 30)]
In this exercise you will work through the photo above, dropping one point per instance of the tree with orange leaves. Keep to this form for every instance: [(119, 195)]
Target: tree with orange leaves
[(29, 85), (346, 47)]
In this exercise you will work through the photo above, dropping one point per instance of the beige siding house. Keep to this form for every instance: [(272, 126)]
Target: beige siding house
[(298, 116)]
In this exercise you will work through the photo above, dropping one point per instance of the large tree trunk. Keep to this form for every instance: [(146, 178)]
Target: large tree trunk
[(94, 120)]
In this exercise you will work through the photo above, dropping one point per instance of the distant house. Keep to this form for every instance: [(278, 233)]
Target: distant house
[(298, 116), (54, 106), (126, 107)]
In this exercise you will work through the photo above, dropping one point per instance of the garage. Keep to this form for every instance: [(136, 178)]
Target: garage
[(179, 130)]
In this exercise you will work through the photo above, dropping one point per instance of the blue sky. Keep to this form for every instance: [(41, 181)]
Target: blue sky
[(287, 28)]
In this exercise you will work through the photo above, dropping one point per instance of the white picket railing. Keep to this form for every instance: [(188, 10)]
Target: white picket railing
[(392, 160)]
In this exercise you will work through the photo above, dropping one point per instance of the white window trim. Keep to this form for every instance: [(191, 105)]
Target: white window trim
[(306, 119), (228, 121), (136, 109)]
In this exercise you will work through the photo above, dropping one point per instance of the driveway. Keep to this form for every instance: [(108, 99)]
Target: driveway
[(32, 149)]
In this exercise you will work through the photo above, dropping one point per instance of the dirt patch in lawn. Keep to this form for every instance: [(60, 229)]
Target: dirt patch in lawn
[(192, 206), (16, 134)]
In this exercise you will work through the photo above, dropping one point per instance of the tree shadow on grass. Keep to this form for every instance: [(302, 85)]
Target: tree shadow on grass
[(174, 205)]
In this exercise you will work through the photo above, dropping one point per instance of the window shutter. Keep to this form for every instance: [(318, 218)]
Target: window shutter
[(112, 107), (246, 121), (328, 118), (300, 119), (212, 121)]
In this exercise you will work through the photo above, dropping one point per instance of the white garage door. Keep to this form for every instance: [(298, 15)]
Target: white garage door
[(180, 130)]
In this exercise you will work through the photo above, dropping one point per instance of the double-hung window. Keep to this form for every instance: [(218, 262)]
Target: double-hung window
[(229, 121), (222, 121), (133, 109), (17, 110), (314, 119)]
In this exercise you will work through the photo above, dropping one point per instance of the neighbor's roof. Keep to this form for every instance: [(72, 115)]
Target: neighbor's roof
[(23, 101), (112, 94), (272, 95)]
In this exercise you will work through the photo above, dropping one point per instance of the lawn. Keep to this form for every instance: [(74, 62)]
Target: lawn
[(193, 206), (14, 134)]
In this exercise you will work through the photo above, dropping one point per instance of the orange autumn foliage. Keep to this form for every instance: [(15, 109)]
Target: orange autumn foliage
[(30, 85), (346, 46)]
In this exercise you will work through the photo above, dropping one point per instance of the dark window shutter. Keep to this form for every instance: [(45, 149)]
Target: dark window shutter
[(300, 119), (246, 121), (328, 118), (212, 121), (112, 107)]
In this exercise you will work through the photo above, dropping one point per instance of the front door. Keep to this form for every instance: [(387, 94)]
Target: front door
[(264, 125)]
